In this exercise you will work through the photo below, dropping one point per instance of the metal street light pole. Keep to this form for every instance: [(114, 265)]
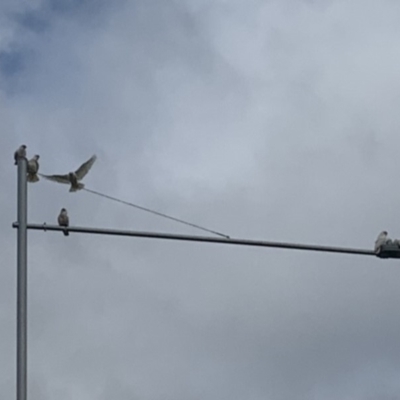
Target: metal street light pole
[(388, 250), (22, 281)]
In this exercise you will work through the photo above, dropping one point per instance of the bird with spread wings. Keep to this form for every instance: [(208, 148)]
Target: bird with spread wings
[(73, 178)]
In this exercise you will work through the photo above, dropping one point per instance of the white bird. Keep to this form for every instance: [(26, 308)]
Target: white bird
[(19, 153), (72, 178), (63, 220), (33, 168), (380, 240)]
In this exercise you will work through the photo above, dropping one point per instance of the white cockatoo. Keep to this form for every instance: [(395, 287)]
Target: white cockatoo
[(33, 168), (63, 220), (72, 178), (380, 240)]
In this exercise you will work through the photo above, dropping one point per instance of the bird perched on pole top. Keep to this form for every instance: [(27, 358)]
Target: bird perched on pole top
[(19, 153), (380, 240), (73, 178), (63, 220), (33, 168)]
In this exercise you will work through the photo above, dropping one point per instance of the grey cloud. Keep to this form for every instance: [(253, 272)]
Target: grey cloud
[(266, 120)]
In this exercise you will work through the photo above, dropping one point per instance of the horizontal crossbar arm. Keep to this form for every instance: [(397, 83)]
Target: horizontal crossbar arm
[(206, 239)]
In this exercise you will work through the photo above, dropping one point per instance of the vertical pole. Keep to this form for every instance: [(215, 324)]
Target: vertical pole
[(22, 282)]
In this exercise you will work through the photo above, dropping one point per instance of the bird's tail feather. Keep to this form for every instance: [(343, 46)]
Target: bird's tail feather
[(32, 178), (66, 233), (76, 188)]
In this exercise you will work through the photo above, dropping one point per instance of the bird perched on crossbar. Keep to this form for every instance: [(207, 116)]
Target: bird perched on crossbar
[(33, 168), (63, 220), (73, 178), (19, 153), (380, 240)]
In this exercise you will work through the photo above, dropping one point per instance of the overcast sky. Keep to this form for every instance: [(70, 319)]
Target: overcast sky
[(275, 120)]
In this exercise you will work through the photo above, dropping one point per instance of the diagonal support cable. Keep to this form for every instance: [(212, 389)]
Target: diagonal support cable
[(156, 213)]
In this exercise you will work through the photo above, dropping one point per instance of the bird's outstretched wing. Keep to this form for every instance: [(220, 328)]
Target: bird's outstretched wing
[(85, 167), (57, 178)]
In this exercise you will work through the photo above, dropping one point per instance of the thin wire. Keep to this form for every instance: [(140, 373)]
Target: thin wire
[(155, 212)]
